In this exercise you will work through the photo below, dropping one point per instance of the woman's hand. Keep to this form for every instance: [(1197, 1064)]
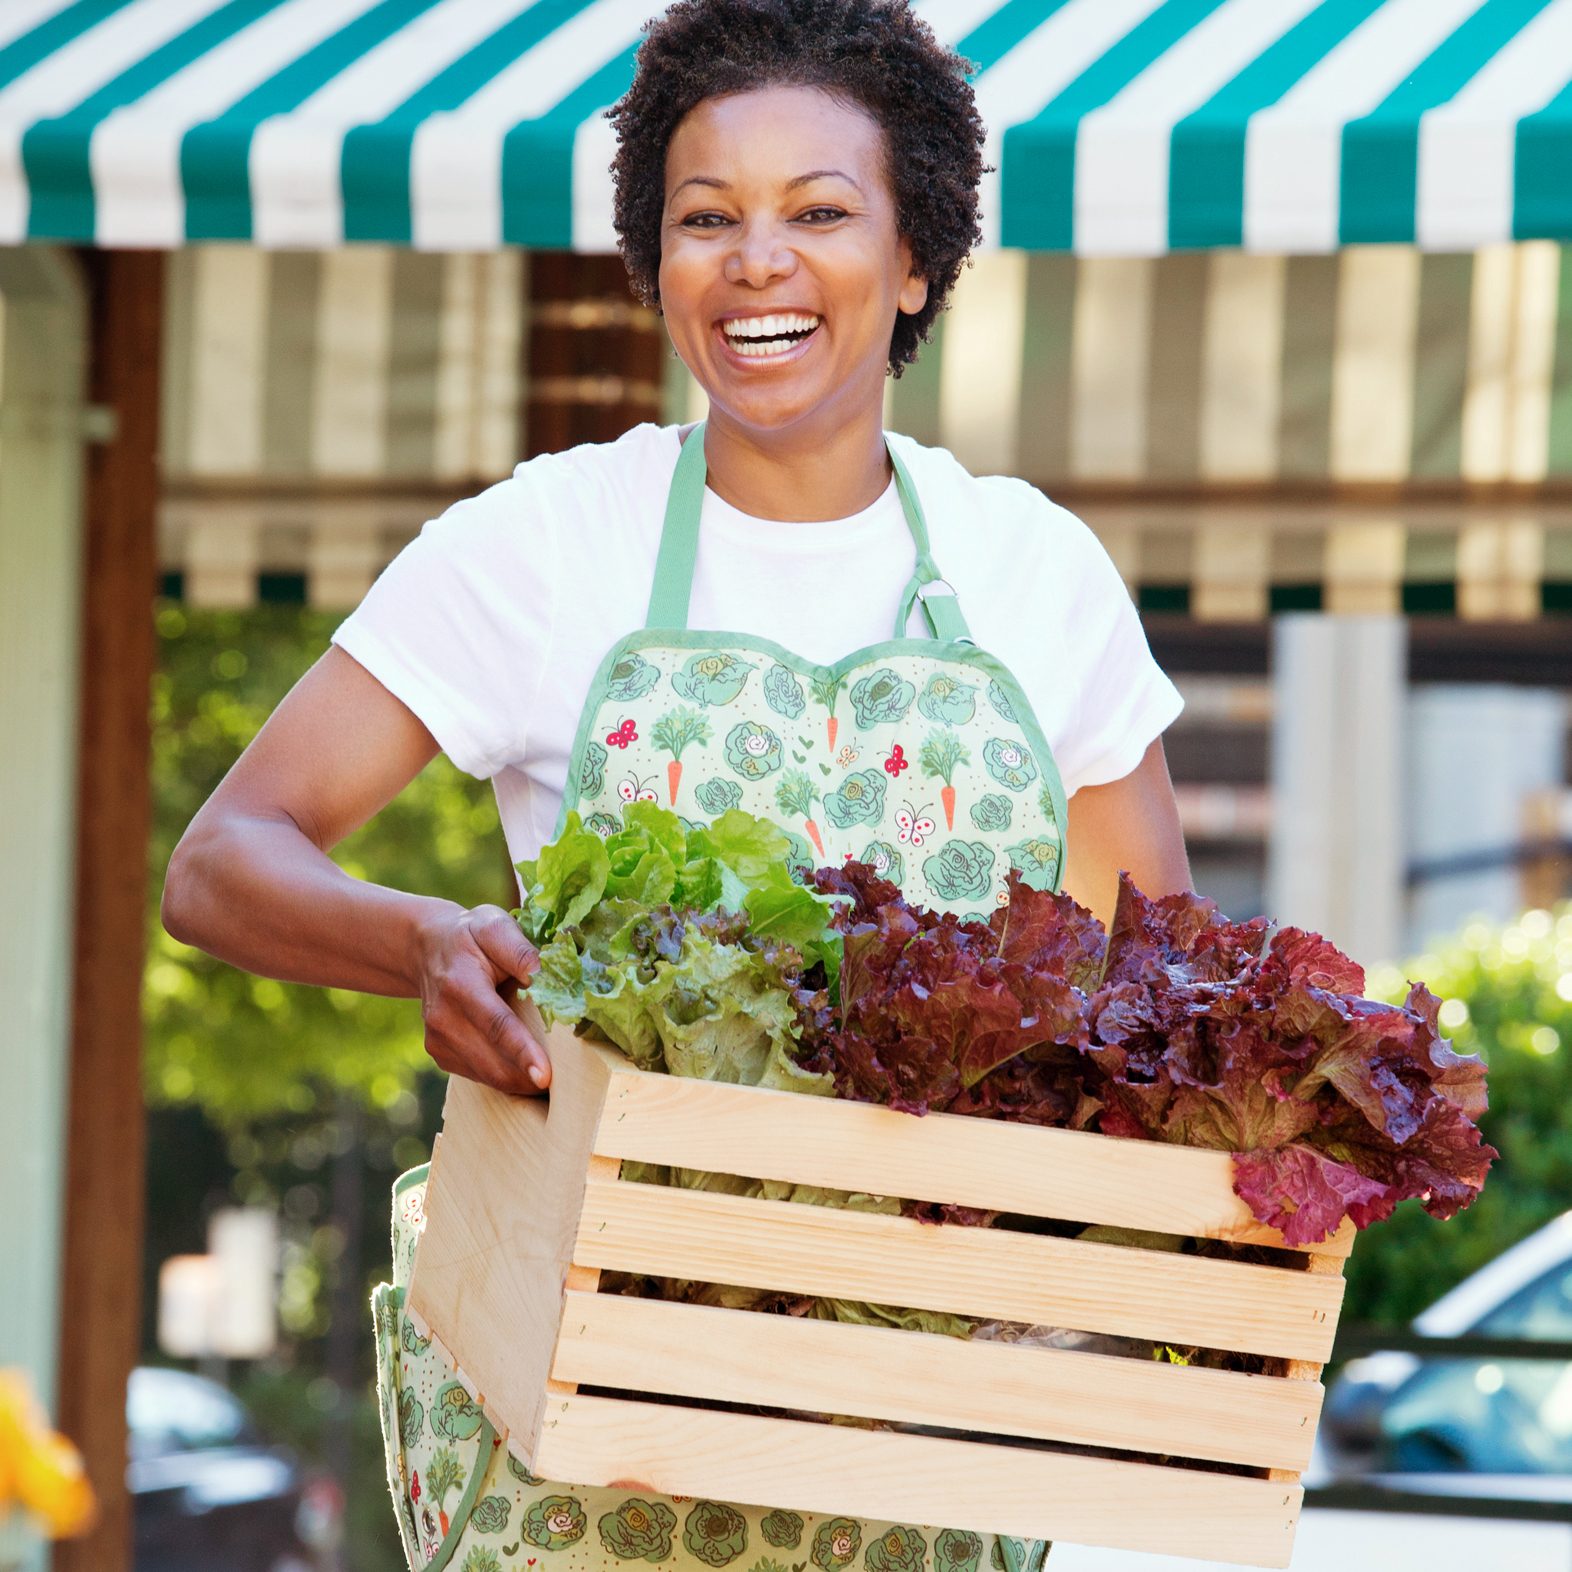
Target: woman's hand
[(473, 964)]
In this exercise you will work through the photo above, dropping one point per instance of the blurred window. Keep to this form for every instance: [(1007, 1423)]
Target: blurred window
[(170, 1411), (1543, 1309)]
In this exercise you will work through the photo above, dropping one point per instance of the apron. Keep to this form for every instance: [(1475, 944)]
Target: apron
[(919, 755)]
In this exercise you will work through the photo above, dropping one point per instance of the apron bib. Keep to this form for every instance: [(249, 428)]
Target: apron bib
[(921, 756)]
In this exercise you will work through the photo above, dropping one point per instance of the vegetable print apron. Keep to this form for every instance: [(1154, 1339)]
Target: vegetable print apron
[(919, 755)]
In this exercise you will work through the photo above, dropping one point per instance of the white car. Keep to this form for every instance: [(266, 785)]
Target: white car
[(1440, 1425), (1467, 1426)]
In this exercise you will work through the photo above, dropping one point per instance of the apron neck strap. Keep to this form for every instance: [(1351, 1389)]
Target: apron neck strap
[(679, 550)]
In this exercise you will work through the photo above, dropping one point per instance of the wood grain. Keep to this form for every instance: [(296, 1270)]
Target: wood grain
[(971, 1271), (502, 1207), (1070, 1174), (101, 1266), (920, 1480), (736, 1356), (1304, 1372)]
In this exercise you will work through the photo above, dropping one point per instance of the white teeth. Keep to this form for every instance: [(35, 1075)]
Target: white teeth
[(770, 327)]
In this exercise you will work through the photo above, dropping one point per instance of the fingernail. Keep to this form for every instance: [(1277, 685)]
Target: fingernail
[(537, 1075)]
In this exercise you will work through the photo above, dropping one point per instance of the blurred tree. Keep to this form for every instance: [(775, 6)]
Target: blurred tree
[(309, 1100), (244, 1046), (1508, 996)]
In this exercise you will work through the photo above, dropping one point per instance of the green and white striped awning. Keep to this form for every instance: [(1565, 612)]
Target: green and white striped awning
[(1118, 127), (1376, 430)]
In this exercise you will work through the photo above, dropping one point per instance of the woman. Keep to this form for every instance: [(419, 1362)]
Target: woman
[(797, 192)]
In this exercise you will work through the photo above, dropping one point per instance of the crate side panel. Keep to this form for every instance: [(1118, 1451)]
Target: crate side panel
[(983, 1272), (735, 1356), (502, 1211), (921, 1480), (763, 1134)]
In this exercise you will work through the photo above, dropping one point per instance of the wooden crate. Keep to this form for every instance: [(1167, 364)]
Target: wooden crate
[(525, 1209)]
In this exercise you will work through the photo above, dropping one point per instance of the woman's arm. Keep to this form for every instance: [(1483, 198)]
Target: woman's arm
[(1129, 825), (252, 883)]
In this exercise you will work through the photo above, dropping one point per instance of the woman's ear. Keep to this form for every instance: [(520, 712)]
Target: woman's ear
[(914, 294)]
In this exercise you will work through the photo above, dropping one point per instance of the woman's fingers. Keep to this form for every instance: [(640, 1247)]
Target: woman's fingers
[(477, 1063), (503, 944), (490, 1020), (478, 961), (516, 960)]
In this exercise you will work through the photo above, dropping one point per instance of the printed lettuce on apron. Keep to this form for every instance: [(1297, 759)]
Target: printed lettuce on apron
[(948, 699), (881, 698), (716, 678)]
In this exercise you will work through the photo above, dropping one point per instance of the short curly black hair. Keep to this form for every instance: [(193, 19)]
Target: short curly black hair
[(876, 54)]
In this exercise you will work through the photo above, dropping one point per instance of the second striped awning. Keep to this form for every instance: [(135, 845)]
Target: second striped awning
[(1116, 127)]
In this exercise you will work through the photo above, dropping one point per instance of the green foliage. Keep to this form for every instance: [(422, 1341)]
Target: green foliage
[(244, 1047), (258, 1089), (1508, 997)]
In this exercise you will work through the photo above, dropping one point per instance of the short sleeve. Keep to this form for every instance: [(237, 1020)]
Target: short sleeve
[(459, 626), (1124, 701)]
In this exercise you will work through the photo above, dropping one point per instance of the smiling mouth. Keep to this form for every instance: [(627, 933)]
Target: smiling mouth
[(759, 338)]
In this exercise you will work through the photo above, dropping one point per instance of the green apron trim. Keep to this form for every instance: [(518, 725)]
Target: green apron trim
[(487, 1436), (387, 1311), (679, 550)]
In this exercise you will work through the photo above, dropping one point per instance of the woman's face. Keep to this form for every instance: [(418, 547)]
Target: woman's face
[(781, 268)]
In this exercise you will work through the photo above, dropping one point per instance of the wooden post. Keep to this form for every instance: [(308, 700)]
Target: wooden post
[(593, 357), (101, 1269)]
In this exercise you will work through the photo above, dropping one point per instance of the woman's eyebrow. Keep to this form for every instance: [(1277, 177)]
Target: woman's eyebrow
[(703, 180), (717, 184), (821, 174)]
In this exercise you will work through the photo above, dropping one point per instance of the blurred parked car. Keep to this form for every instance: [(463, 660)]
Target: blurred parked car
[(207, 1490), (1476, 1426)]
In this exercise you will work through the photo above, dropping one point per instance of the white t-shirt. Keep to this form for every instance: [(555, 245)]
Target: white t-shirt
[(491, 623)]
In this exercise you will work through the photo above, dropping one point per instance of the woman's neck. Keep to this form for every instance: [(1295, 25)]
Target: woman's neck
[(798, 477)]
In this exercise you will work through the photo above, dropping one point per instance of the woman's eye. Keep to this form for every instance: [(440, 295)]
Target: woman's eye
[(705, 221), (823, 215)]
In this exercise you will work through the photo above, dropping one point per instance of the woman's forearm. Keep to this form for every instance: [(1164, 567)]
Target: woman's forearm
[(252, 883), (257, 892)]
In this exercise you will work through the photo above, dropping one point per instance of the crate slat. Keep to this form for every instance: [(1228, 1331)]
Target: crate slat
[(919, 1480), (762, 1134), (736, 1356), (983, 1272)]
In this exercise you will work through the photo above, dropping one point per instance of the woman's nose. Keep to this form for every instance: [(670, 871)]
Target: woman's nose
[(760, 256)]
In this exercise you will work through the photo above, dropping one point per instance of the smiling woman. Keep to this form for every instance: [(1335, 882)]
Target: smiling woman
[(781, 271), (796, 190)]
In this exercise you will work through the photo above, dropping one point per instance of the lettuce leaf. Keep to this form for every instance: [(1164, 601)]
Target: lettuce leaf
[(931, 1007), (698, 953), (1210, 1033), (565, 883)]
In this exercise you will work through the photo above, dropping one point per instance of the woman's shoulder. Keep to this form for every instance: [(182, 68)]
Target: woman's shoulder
[(1002, 508), (641, 455), (596, 486)]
